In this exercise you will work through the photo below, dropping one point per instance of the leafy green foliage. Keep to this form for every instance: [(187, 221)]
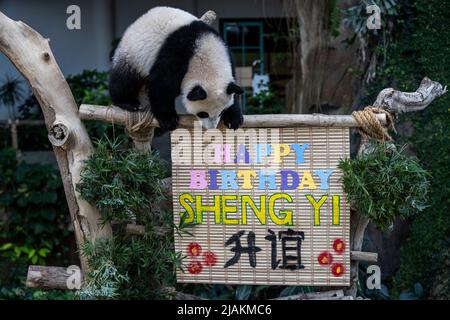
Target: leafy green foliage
[(88, 87), (124, 185), (421, 48), (14, 252), (91, 87), (35, 227), (440, 283), (385, 183), (5, 137), (104, 280), (243, 292), (11, 93), (334, 19), (356, 16), (265, 102), (33, 198)]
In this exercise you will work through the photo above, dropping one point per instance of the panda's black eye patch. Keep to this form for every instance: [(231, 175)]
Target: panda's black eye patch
[(203, 115), (234, 88), (197, 93)]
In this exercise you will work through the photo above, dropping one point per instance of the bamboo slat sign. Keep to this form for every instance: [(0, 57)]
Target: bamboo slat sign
[(262, 205)]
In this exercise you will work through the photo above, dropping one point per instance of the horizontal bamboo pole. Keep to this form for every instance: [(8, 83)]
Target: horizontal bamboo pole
[(139, 230), (364, 256), (119, 116)]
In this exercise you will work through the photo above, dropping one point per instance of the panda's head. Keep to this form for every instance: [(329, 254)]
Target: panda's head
[(209, 101)]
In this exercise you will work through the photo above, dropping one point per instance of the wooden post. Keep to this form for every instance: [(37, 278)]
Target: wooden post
[(14, 137)]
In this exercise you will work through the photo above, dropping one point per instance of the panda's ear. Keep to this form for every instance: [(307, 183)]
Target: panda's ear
[(234, 88), (197, 93)]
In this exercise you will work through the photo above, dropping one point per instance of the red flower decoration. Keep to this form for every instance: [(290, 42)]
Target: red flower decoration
[(338, 269), (210, 258), (195, 267), (325, 258), (194, 249), (338, 245)]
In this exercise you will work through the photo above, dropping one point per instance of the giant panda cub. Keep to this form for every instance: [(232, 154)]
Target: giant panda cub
[(166, 53)]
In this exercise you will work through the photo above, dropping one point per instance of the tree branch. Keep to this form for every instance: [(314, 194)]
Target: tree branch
[(399, 102), (32, 56)]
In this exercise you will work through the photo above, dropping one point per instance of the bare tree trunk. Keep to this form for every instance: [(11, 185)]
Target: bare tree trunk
[(322, 81), (308, 61), (31, 54)]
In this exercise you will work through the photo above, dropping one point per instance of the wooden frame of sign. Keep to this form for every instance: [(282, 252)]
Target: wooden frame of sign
[(31, 54)]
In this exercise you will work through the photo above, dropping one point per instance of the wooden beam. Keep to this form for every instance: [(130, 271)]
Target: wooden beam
[(364, 256), (172, 294), (44, 277), (135, 229), (119, 116), (57, 278), (139, 230), (323, 295)]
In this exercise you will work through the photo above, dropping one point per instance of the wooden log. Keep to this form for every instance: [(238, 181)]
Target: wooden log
[(44, 277), (364, 256), (209, 17), (135, 229), (58, 278), (119, 116), (399, 102), (166, 187), (32, 56), (172, 294), (323, 295), (139, 230)]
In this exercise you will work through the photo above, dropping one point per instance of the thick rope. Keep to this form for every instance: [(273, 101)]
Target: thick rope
[(371, 127), (139, 125)]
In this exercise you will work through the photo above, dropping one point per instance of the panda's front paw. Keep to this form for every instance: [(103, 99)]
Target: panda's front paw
[(232, 117), (167, 122)]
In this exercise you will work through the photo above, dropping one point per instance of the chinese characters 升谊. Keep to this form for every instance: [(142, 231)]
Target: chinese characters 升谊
[(291, 242)]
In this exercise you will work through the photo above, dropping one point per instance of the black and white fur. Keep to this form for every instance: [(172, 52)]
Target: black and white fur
[(168, 52)]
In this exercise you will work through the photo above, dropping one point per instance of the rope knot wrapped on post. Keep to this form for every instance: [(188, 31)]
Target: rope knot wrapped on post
[(139, 128), (371, 127)]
